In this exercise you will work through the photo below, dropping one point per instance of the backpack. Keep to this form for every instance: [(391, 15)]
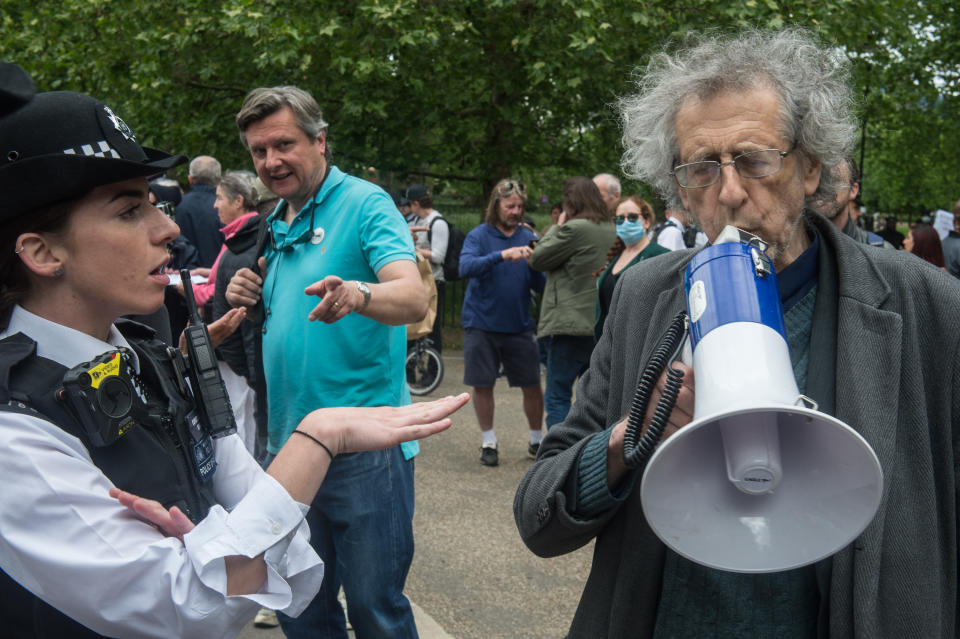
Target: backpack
[(425, 326), (689, 233), (451, 261), (690, 236)]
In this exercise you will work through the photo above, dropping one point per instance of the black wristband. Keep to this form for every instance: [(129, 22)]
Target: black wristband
[(322, 445)]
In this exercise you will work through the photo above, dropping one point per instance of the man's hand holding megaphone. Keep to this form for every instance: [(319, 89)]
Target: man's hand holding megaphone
[(681, 415)]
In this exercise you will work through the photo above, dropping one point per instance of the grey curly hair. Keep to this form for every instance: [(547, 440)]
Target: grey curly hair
[(812, 81)]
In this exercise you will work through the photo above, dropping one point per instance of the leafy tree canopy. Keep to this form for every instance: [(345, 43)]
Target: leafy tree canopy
[(464, 93)]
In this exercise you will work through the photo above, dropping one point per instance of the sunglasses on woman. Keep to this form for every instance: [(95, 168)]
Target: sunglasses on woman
[(630, 217)]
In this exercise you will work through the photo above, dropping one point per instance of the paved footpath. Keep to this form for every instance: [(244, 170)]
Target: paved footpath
[(472, 577)]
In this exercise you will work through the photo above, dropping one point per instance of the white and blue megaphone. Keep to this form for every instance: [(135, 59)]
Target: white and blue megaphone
[(759, 481)]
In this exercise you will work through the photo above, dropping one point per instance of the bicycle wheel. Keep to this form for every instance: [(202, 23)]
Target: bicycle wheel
[(424, 370)]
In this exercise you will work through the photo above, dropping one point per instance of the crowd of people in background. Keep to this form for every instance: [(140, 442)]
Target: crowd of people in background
[(535, 301), (504, 299)]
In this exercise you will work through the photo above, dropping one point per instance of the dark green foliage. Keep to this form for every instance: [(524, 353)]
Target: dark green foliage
[(464, 93)]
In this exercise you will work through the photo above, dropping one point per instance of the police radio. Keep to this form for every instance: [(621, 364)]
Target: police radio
[(213, 404)]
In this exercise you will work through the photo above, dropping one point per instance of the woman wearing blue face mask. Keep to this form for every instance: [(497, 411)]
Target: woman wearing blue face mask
[(634, 217)]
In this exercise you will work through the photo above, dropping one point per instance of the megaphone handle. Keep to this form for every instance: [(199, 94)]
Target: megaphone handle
[(637, 449)]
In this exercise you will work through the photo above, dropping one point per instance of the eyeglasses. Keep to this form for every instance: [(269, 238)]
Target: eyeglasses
[(630, 217), (753, 164), (509, 187)]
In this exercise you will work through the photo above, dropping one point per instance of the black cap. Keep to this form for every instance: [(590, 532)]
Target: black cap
[(416, 191), (16, 87), (62, 144)]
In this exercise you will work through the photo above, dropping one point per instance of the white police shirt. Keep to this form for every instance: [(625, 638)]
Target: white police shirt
[(66, 540), (671, 236)]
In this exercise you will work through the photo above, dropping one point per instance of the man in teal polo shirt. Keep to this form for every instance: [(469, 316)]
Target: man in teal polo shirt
[(340, 282)]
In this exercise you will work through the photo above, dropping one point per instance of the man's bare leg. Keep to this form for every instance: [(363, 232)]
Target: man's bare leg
[(483, 405), (533, 409)]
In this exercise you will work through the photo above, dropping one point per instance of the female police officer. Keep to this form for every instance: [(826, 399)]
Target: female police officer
[(80, 245)]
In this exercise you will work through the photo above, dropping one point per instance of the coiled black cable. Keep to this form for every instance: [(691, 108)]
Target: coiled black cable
[(636, 449)]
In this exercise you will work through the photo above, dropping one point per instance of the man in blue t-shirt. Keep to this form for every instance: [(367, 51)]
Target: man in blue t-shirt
[(498, 329), (340, 239)]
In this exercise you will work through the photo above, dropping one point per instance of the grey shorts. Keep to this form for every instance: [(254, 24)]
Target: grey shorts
[(485, 351)]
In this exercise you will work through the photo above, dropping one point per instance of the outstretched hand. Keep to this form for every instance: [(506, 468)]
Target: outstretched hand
[(172, 523), (224, 327), (354, 430)]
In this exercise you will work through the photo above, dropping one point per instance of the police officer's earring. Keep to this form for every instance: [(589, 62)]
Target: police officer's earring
[(58, 272)]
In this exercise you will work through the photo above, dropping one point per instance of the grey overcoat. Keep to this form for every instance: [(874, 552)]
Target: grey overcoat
[(897, 383)]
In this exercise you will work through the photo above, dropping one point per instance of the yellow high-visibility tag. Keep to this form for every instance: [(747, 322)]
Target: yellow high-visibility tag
[(101, 371)]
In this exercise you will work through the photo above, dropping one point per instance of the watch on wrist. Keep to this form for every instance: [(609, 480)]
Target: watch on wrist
[(365, 291)]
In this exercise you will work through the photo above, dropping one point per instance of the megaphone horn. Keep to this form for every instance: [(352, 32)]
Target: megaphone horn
[(760, 480)]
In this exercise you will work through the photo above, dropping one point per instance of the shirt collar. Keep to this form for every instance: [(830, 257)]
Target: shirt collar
[(331, 179), (496, 232), (66, 346)]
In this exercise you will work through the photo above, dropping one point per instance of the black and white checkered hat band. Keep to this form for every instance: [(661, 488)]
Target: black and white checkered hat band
[(98, 149)]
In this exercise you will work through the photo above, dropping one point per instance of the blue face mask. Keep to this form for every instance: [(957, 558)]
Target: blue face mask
[(630, 232)]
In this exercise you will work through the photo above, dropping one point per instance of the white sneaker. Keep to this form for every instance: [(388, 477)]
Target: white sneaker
[(266, 618)]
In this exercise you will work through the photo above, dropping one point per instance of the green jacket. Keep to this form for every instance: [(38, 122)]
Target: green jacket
[(569, 255)]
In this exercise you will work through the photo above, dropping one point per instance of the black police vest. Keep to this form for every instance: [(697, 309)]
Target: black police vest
[(152, 460)]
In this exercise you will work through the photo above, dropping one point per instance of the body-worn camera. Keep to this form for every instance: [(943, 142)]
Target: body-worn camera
[(106, 396)]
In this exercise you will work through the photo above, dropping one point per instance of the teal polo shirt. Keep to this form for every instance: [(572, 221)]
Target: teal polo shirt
[(351, 229)]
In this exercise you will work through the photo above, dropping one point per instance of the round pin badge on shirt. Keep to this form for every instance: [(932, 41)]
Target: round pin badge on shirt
[(317, 235)]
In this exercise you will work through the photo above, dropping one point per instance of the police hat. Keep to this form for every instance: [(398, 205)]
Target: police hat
[(61, 145), (16, 87)]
